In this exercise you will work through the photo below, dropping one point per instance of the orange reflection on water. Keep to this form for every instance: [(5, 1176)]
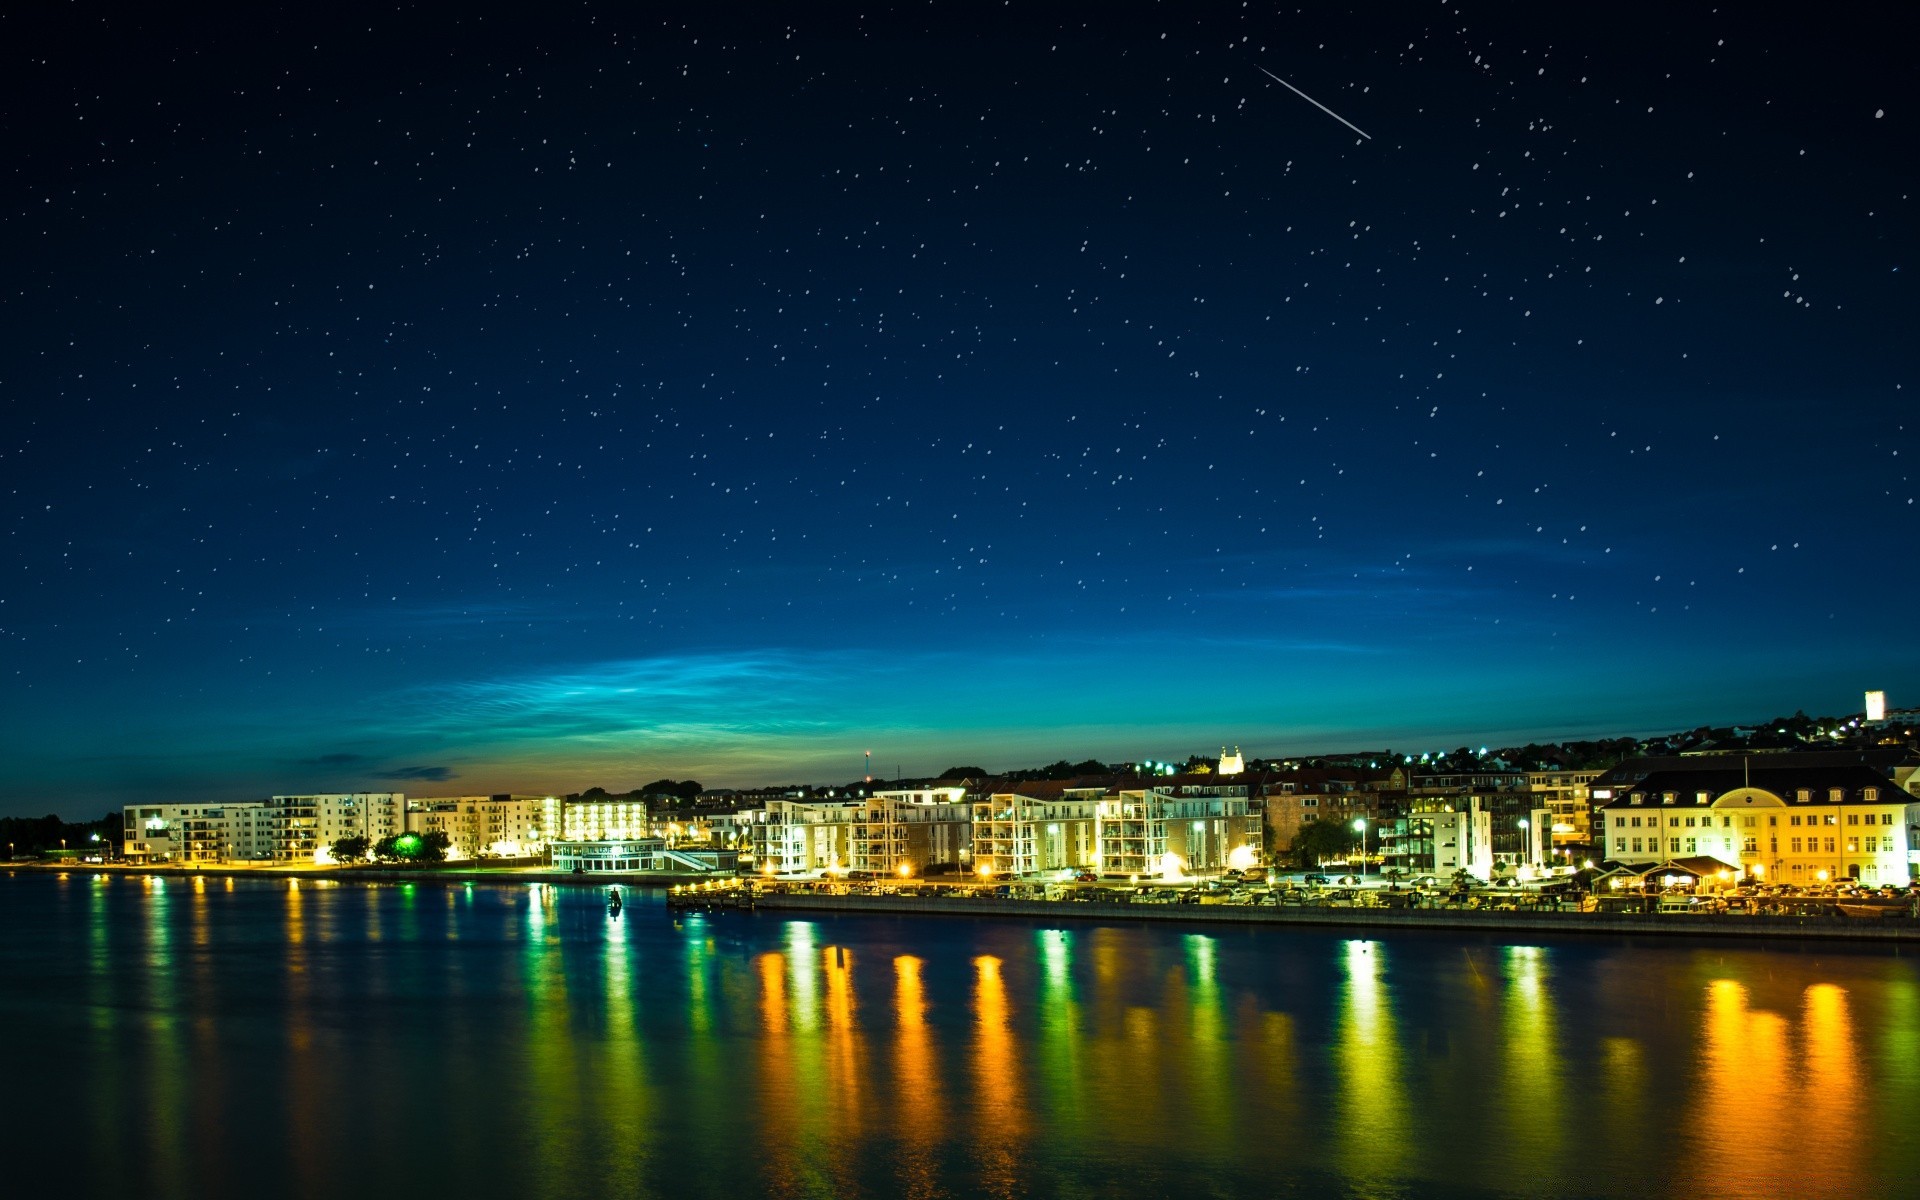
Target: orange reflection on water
[(306, 1100), (1830, 1093), (1743, 1071), (777, 1129), (845, 1050), (918, 1098), (1000, 1116)]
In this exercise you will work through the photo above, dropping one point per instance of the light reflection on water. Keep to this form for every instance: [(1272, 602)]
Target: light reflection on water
[(196, 1037)]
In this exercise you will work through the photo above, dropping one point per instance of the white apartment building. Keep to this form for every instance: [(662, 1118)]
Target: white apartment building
[(1439, 836), (796, 837), (1157, 832), (303, 827), (476, 826), (905, 832), (197, 832), (1054, 828), (1792, 825)]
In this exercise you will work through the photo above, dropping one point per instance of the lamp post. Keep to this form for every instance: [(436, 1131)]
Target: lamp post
[(1526, 849), (1360, 827)]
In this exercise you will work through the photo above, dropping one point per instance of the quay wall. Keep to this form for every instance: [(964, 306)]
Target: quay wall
[(451, 873), (1368, 919)]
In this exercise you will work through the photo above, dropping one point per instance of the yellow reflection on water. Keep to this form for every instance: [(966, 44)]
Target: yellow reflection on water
[(793, 1092), (1533, 1076), (1370, 1101), (1000, 1116), (1623, 1113)]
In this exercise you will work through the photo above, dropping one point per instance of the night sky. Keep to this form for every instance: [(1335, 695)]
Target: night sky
[(583, 394)]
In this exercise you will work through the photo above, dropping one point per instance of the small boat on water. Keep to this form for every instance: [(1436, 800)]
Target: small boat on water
[(614, 903)]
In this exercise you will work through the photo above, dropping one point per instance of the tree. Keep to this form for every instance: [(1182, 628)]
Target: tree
[(963, 773), (349, 849), (413, 847), (1322, 840)]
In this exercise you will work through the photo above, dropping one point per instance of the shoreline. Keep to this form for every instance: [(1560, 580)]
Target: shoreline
[(379, 874), (1728, 925)]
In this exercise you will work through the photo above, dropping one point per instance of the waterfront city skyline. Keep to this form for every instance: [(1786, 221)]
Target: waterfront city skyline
[(525, 402)]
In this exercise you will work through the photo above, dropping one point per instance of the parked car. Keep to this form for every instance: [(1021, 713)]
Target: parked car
[(1086, 877), (1348, 881), (1318, 880)]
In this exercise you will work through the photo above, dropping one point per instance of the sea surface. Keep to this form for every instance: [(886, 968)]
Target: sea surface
[(216, 1037)]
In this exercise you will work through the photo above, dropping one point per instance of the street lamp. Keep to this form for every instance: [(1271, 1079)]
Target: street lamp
[(1526, 851), (1360, 827)]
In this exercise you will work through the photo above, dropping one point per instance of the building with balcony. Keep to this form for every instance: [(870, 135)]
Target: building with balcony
[(1159, 831), (492, 826), (1564, 794), (303, 827), (197, 832), (797, 837), (1438, 836), (911, 831), (1041, 827)]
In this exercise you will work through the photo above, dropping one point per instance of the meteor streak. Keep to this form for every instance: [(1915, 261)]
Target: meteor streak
[(1310, 100)]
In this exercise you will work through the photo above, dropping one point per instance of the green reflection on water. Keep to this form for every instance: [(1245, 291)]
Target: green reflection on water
[(624, 1115), (555, 1091), (1209, 1091), (1060, 1034), (1370, 1106)]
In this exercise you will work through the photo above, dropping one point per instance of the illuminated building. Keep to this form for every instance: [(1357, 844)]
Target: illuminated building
[(503, 826), (792, 837), (905, 832), (594, 820), (1438, 836), (1200, 828), (1876, 706), (1564, 795), (303, 827), (884, 833), (1793, 824), (197, 832), (1041, 827), (628, 854)]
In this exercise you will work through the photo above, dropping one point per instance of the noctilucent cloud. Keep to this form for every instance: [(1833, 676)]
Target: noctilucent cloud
[(547, 396)]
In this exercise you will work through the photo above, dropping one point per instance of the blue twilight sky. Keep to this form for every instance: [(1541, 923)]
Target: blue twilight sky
[(529, 400)]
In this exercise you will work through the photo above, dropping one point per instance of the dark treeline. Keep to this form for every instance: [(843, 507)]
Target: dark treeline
[(34, 835)]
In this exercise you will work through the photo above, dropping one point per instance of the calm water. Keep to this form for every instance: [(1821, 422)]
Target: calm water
[(215, 1038)]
